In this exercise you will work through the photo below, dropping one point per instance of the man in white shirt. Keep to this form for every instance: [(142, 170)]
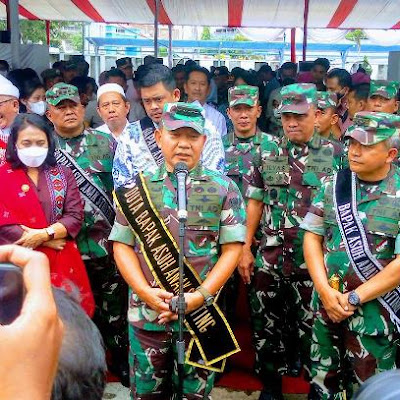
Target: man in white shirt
[(9, 108), (197, 87), (113, 108), (137, 149)]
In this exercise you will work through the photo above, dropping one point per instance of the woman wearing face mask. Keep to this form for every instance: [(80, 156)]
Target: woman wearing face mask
[(40, 204), (33, 98)]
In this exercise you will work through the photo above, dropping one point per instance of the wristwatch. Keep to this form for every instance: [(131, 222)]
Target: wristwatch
[(51, 232), (208, 297), (354, 299)]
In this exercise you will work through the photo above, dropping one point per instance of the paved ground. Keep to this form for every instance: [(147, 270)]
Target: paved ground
[(115, 391)]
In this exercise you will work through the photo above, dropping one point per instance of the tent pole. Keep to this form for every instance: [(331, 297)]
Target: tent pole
[(48, 32), (156, 15), (96, 63), (13, 26), (293, 45), (305, 28), (170, 57)]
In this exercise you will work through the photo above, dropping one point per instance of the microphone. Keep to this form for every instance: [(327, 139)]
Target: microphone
[(181, 172)]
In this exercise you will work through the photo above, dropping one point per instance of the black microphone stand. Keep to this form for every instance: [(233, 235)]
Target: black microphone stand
[(180, 343), (181, 173)]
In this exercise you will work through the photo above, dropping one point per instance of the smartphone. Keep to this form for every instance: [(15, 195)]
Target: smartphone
[(11, 292)]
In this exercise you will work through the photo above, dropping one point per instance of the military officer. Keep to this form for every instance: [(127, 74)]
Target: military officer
[(285, 173), (351, 248), (215, 231), (383, 97), (327, 118), (89, 153)]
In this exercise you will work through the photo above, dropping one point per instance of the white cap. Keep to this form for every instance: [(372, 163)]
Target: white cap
[(110, 87), (7, 88)]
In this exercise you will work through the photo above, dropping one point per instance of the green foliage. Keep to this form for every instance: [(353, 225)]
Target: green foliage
[(35, 32), (366, 65), (206, 34), (356, 35), (240, 38)]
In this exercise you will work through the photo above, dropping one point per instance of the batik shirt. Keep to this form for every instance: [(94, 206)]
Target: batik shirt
[(216, 216), (93, 152), (284, 176), (378, 205), (133, 155)]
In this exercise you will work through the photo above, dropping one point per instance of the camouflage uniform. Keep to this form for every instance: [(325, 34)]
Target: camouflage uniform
[(327, 100), (363, 344), (386, 89), (93, 152), (284, 176), (216, 215), (275, 123), (239, 155)]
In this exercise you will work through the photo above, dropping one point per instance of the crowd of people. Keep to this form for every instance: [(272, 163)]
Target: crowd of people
[(293, 187)]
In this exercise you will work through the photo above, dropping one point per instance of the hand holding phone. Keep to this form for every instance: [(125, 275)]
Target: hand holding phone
[(30, 345), (11, 292)]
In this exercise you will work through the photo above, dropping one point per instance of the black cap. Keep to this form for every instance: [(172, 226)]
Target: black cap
[(121, 62), (70, 64)]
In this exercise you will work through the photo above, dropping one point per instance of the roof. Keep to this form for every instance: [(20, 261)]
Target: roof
[(344, 14)]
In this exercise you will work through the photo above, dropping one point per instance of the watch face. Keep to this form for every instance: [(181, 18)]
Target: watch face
[(209, 301), (354, 300)]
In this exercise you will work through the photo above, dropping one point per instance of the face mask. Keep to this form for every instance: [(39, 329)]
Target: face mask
[(38, 108), (32, 156)]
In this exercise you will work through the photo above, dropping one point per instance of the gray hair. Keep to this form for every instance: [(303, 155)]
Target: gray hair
[(393, 142)]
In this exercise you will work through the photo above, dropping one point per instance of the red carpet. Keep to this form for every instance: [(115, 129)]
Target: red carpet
[(240, 375)]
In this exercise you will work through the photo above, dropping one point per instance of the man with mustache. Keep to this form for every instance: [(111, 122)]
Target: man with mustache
[(9, 108), (284, 174), (383, 97), (354, 327), (137, 149), (89, 153)]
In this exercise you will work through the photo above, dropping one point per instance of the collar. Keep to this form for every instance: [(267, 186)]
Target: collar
[(197, 173), (386, 186), (256, 138), (315, 142)]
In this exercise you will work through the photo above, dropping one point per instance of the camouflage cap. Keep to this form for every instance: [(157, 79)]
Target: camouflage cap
[(326, 100), (62, 91), (373, 127), (183, 115), (243, 94), (386, 89), (298, 98)]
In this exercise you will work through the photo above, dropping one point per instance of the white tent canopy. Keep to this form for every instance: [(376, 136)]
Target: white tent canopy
[(343, 14)]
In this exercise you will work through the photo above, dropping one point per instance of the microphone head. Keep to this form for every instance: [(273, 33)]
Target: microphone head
[(181, 167)]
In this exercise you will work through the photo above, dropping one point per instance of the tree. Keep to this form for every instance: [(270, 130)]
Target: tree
[(356, 35), (35, 32), (206, 34)]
